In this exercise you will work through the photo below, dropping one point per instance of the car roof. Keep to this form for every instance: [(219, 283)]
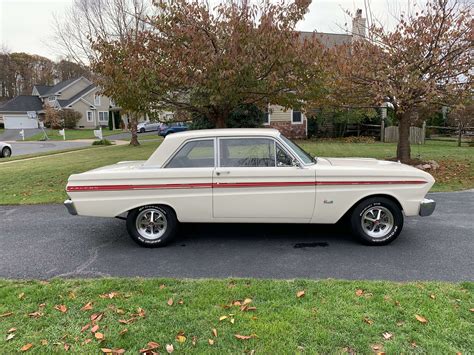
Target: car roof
[(225, 132)]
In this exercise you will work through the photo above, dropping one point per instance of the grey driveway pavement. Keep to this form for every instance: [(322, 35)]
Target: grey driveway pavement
[(22, 148), (14, 134), (45, 241)]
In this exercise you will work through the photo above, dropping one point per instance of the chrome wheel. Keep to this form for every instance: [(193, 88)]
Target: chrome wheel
[(6, 152), (151, 223), (377, 222)]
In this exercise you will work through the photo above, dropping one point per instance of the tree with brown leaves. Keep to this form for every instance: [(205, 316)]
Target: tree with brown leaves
[(420, 63), (206, 62)]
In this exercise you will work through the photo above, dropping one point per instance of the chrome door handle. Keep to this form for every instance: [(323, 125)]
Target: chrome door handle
[(218, 173)]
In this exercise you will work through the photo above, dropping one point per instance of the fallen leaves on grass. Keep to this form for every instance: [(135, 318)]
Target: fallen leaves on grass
[(61, 308), (112, 351), (11, 330), (387, 335), (8, 314), (368, 321), (300, 294), (421, 319), (359, 292), (84, 328), (35, 314), (127, 321), (244, 337), (109, 295), (433, 296), (10, 336), (151, 345), (214, 332), (26, 347), (21, 296), (170, 302), (210, 341), (180, 337), (99, 336), (96, 316), (95, 328), (44, 342), (169, 348), (123, 331), (221, 318), (87, 307)]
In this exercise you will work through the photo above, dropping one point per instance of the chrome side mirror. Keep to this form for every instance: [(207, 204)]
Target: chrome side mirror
[(296, 163)]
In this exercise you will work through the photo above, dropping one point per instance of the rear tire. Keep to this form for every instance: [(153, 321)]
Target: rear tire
[(152, 226), (377, 221), (142, 130), (6, 152)]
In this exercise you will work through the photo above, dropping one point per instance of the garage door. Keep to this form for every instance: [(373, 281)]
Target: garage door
[(19, 122)]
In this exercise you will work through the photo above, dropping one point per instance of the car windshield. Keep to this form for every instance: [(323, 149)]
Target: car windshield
[(302, 154)]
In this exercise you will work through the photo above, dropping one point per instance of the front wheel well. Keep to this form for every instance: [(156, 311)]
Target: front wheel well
[(389, 197), (154, 204)]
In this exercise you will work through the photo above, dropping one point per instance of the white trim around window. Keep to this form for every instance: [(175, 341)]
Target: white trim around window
[(103, 116), (301, 117), (89, 116)]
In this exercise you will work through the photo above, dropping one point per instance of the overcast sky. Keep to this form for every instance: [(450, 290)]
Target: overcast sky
[(26, 25)]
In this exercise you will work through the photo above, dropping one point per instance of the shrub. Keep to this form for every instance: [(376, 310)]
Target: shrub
[(102, 142), (69, 118)]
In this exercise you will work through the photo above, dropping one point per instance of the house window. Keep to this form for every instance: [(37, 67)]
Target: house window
[(89, 116), (296, 117), (51, 98), (112, 103), (266, 118), (97, 100), (103, 116)]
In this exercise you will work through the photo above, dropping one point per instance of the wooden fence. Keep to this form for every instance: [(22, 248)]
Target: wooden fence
[(417, 135)]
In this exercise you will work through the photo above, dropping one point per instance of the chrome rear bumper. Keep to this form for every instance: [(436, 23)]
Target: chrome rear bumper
[(427, 207), (70, 207)]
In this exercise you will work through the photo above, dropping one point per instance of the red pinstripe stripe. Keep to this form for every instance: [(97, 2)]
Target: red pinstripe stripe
[(236, 185)]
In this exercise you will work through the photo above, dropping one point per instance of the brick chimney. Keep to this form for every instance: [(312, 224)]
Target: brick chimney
[(359, 26)]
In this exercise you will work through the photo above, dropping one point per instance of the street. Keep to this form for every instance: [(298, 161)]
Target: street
[(44, 241)]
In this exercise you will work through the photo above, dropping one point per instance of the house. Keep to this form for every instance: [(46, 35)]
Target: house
[(78, 94), (294, 123)]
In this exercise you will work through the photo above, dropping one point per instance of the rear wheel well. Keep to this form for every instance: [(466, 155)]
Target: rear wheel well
[(157, 205)]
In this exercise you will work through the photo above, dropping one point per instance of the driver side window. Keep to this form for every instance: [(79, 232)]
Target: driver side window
[(282, 157)]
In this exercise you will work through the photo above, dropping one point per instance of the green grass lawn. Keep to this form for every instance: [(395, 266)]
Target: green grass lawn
[(72, 134), (44, 180), (332, 316)]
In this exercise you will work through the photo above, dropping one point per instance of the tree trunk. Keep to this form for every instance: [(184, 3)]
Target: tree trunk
[(220, 121), (133, 129), (403, 146), (460, 135)]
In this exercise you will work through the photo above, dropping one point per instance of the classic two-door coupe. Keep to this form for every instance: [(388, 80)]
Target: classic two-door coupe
[(249, 176)]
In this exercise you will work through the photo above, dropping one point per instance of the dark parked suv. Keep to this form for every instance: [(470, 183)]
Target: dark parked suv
[(172, 128)]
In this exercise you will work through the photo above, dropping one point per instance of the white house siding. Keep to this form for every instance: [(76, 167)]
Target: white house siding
[(72, 90)]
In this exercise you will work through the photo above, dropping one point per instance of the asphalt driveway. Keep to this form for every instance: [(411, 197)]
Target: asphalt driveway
[(45, 242), (22, 148)]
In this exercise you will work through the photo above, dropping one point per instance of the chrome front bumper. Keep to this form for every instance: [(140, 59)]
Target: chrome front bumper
[(70, 207), (427, 207)]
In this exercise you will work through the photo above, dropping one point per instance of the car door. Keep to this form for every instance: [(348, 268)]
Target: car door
[(256, 180), (188, 174)]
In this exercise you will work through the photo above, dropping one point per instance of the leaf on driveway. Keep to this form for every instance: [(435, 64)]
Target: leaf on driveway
[(244, 337), (387, 335), (87, 307), (421, 319), (170, 302), (26, 347), (300, 294), (169, 348), (61, 308)]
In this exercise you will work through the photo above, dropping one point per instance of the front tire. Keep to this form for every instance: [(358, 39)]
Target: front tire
[(6, 152), (142, 130), (377, 221), (152, 226)]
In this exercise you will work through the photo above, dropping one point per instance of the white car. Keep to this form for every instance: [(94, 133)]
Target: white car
[(249, 176), (148, 126), (5, 150)]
